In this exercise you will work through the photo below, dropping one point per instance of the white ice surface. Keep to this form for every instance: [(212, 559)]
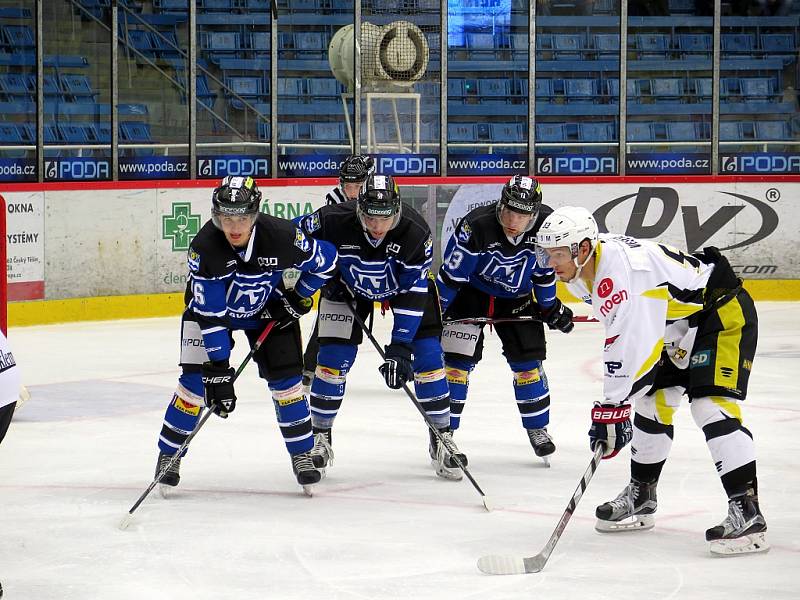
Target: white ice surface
[(381, 525)]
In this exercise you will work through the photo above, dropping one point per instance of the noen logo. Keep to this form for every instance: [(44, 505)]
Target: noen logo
[(615, 299)]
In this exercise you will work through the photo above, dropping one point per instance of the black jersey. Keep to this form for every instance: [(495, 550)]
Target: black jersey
[(335, 196), (396, 268), (229, 288), (480, 254)]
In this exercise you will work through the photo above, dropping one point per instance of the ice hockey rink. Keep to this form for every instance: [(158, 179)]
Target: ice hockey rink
[(381, 525)]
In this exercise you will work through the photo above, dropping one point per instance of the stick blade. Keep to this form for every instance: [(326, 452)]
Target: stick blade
[(126, 520), (496, 564), (487, 504)]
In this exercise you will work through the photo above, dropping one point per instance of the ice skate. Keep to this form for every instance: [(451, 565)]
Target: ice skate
[(172, 477), (442, 456), (304, 471), (632, 510), (542, 444), (322, 453), (743, 531)]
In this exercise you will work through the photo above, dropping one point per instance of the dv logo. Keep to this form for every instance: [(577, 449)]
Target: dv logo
[(204, 168), (544, 166), (697, 233)]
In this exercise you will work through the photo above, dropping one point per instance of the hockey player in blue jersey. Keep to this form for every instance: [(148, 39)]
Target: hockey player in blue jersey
[(236, 263), (385, 253), (353, 173), (489, 270)]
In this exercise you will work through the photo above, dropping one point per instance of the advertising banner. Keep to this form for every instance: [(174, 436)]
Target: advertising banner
[(668, 163), (754, 224), (217, 167), (487, 164), (17, 169), (577, 164), (153, 167), (77, 168), (759, 163), (25, 245)]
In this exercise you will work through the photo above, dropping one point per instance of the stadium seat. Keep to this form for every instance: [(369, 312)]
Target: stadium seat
[(702, 88), (19, 37), (287, 132), (604, 7), (760, 89), (290, 86), (695, 45), (481, 46), (681, 7), (568, 46), (639, 132), (16, 87), (460, 132), (581, 90), (778, 43), (9, 134), (323, 88), (494, 88), (729, 131), (507, 132), (652, 45), (667, 90), (737, 45), (597, 132), (135, 132), (73, 134), (259, 42), (772, 130), (544, 89), (312, 44), (606, 45), (77, 87), (327, 132), (550, 132), (682, 132), (249, 89)]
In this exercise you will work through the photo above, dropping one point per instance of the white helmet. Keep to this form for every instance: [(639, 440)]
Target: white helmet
[(567, 226)]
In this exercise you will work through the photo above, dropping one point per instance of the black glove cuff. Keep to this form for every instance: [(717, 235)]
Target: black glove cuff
[(218, 364), (398, 349)]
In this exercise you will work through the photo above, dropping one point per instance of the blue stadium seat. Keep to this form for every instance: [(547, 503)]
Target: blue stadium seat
[(258, 5), (287, 132), (568, 46), (604, 7), (760, 89), (135, 132), (327, 132), (217, 5), (550, 132), (19, 37), (249, 89), (15, 87), (606, 45), (581, 90), (455, 88), (179, 6), (597, 132), (778, 43), (311, 43), (50, 86), (323, 88), (667, 90), (166, 45), (683, 132), (259, 41), (695, 45), (737, 45), (507, 132), (290, 86), (639, 132), (482, 132), (481, 46), (652, 45), (634, 89), (73, 134), (772, 130), (702, 88), (9, 134), (495, 88), (460, 132), (77, 87), (138, 40), (220, 41), (729, 131), (544, 89)]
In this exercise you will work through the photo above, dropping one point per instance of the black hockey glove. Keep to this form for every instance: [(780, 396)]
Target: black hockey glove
[(611, 426), (288, 308), (338, 291), (558, 316), (396, 368), (218, 384)]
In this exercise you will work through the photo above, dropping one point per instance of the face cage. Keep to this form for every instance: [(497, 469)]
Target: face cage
[(534, 215), (216, 214), (362, 216), (543, 259)]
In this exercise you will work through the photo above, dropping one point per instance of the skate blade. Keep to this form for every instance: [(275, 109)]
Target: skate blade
[(445, 473), (166, 491), (637, 523), (546, 460), (747, 544), (308, 490)]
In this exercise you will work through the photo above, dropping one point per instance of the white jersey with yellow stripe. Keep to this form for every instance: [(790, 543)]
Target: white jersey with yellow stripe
[(644, 293)]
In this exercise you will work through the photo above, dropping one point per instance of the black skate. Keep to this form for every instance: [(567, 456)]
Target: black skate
[(304, 471), (744, 529), (542, 444), (442, 456), (322, 453), (172, 477), (632, 510)]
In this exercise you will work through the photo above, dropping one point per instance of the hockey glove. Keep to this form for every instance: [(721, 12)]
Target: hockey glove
[(558, 316), (288, 308), (218, 384), (396, 368), (611, 426)]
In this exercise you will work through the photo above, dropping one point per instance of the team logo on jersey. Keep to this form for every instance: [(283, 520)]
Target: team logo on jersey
[(428, 247), (194, 260), (464, 232), (605, 287), (393, 248), (505, 272), (613, 300), (311, 223), (375, 283), (612, 366), (301, 241), (247, 300)]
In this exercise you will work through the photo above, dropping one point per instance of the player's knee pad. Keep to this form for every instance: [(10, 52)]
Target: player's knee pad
[(190, 386), (457, 374), (660, 405), (730, 443), (333, 363), (530, 381), (179, 421), (291, 404), (652, 440)]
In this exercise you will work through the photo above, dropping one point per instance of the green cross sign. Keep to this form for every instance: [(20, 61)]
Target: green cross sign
[(181, 226)]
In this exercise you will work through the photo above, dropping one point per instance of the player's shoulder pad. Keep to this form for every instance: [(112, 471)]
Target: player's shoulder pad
[(280, 236), (210, 253)]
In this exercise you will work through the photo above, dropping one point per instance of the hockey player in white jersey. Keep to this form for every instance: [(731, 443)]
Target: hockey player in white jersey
[(676, 324), (355, 170), (9, 385)]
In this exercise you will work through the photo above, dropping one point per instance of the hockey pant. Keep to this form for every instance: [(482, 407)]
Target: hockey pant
[(279, 363), (335, 361), (530, 390), (731, 444)]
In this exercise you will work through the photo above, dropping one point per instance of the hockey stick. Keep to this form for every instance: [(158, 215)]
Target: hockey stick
[(126, 520), (497, 564), (520, 319), (421, 410)]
